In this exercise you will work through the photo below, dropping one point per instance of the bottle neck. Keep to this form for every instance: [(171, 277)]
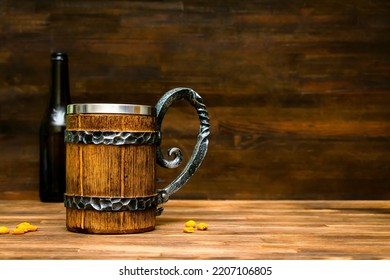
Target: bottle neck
[(59, 91)]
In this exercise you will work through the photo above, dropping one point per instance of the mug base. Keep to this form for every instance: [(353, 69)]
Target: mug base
[(97, 231)]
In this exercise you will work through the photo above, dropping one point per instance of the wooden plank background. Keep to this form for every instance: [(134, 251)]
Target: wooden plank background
[(297, 91)]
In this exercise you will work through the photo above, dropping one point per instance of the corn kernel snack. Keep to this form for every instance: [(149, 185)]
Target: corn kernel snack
[(202, 226), (18, 231), (190, 223), (188, 230), (4, 230), (24, 224), (32, 228), (27, 227)]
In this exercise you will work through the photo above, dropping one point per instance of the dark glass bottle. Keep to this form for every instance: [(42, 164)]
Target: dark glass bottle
[(51, 133)]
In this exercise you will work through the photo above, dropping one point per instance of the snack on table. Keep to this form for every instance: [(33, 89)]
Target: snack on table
[(190, 223), (4, 230), (27, 227), (190, 226), (202, 226), (188, 229), (18, 231)]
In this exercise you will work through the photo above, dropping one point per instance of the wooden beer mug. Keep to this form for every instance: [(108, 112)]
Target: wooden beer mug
[(111, 152)]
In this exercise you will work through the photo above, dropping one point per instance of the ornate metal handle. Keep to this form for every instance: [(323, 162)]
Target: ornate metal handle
[(201, 146)]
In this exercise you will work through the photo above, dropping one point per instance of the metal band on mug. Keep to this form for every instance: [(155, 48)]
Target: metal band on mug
[(108, 108), (111, 137), (110, 204)]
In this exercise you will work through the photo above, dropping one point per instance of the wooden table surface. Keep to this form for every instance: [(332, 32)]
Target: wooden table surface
[(237, 230)]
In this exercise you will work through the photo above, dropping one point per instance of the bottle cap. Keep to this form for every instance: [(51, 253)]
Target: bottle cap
[(59, 56)]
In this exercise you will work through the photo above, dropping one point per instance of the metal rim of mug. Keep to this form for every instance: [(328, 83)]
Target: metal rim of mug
[(111, 108)]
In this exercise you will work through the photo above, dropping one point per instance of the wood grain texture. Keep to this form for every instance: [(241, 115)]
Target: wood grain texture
[(238, 229), (298, 92)]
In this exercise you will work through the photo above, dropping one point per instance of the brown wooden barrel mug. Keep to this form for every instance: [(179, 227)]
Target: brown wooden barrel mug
[(111, 155)]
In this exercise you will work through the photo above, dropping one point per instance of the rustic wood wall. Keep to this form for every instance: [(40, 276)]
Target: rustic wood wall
[(298, 92)]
